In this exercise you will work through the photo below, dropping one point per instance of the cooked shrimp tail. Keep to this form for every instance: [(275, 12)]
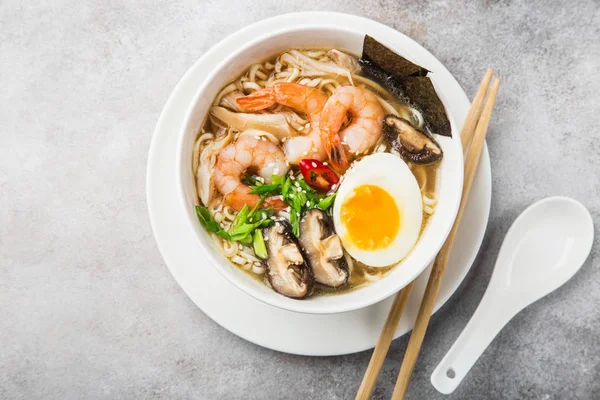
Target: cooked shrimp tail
[(259, 100), (298, 97), (336, 152)]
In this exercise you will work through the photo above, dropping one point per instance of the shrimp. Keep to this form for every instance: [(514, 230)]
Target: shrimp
[(248, 153), (364, 130), (310, 146), (301, 98)]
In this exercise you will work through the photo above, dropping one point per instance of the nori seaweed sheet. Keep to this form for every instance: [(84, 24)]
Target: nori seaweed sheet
[(389, 61), (415, 88), (419, 91)]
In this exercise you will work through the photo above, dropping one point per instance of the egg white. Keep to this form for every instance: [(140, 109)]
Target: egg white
[(390, 173)]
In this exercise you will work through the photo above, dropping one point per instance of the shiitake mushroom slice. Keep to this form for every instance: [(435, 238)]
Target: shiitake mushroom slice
[(413, 144), (287, 270), (323, 249)]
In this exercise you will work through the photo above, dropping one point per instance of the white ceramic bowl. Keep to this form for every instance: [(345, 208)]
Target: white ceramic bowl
[(451, 170)]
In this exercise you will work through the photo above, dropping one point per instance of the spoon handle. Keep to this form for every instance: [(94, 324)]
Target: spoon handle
[(494, 311)]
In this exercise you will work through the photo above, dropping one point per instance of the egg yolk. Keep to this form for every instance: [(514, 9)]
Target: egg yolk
[(371, 217)]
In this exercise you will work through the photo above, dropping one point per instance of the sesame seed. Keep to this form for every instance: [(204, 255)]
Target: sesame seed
[(305, 153), (291, 195), (263, 138), (257, 137), (303, 191), (297, 184), (292, 177), (298, 189), (284, 139), (307, 203), (325, 163)]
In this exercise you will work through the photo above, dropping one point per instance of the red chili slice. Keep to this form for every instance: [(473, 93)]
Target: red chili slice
[(317, 175)]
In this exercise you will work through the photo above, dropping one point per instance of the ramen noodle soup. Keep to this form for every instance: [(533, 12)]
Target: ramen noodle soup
[(317, 170)]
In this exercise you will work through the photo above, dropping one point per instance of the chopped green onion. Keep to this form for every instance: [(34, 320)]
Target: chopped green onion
[(325, 203), (256, 207), (240, 219), (295, 221), (244, 229), (247, 240), (266, 222), (270, 189), (296, 203), (258, 243), (209, 223), (252, 181), (305, 185), (278, 179), (285, 189)]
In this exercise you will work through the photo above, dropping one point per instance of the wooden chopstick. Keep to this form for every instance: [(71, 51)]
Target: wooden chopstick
[(391, 323), (383, 343), (466, 135), (439, 266)]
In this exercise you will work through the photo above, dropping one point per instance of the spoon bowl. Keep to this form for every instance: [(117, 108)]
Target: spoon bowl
[(546, 245), (544, 248)]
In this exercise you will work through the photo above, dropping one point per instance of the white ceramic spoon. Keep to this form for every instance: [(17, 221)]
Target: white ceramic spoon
[(542, 250)]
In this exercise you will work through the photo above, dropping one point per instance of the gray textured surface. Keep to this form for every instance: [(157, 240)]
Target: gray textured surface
[(89, 310)]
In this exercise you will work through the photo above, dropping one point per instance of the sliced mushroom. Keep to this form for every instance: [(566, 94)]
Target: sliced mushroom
[(272, 123), (323, 249), (229, 101), (287, 270), (344, 61), (413, 144), (311, 67), (207, 160)]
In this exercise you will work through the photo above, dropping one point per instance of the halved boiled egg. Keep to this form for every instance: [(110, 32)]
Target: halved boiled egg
[(378, 210)]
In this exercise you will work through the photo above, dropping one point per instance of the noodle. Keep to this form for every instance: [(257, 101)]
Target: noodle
[(227, 89), (295, 73), (229, 213), (250, 87), (253, 70)]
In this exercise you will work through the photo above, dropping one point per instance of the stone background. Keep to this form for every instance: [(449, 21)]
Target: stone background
[(89, 310)]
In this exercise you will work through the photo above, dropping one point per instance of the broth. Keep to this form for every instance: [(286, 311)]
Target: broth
[(264, 74)]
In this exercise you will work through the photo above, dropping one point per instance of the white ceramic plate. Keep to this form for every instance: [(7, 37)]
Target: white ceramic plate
[(242, 314)]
